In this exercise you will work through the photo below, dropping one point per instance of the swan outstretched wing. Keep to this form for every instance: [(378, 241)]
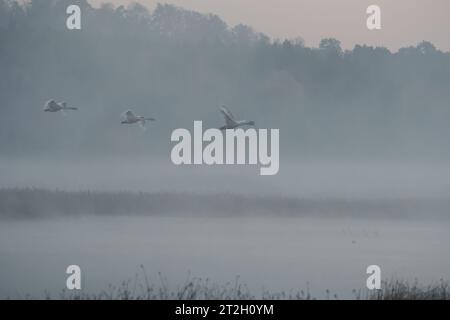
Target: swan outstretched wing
[(50, 103), (228, 116), (129, 115)]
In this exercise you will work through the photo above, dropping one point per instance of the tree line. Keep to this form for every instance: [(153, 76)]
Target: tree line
[(181, 65)]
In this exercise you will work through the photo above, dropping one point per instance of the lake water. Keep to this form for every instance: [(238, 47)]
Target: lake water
[(266, 252)]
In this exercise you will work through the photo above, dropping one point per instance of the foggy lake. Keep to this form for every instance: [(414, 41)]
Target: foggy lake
[(364, 151), (277, 254), (268, 250)]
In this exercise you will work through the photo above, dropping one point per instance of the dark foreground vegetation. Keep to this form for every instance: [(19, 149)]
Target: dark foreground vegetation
[(204, 289), (40, 203)]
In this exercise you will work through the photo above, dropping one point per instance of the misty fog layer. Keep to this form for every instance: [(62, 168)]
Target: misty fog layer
[(302, 179), (179, 66)]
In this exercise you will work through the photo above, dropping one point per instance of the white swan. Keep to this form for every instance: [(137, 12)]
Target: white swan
[(131, 118), (53, 106), (231, 122)]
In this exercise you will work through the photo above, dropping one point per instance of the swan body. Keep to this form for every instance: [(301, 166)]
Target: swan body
[(53, 106), (131, 118)]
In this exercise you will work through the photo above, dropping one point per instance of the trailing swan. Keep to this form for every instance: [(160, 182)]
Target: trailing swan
[(53, 106)]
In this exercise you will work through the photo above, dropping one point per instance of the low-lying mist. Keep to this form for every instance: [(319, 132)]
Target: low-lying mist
[(120, 186), (297, 177)]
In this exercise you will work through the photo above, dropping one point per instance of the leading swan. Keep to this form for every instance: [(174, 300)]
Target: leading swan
[(231, 122)]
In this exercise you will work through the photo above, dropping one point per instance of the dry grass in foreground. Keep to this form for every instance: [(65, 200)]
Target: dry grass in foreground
[(204, 289)]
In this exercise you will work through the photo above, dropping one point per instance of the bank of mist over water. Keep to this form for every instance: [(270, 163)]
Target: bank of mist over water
[(44, 187)]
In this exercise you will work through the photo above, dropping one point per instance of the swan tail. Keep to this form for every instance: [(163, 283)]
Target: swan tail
[(142, 125)]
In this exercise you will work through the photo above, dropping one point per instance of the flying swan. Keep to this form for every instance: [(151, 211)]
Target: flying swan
[(53, 106), (231, 122), (131, 118)]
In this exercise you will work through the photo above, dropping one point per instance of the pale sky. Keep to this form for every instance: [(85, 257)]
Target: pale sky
[(404, 22)]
